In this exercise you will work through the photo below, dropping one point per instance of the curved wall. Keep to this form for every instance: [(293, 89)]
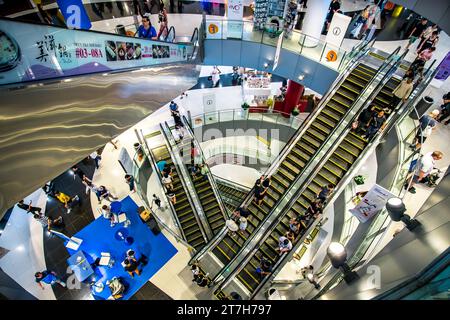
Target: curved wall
[(46, 129)]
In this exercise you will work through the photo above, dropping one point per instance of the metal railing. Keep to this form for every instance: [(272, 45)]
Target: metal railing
[(209, 174), (312, 169), (314, 48), (136, 169), (380, 220), (188, 187)]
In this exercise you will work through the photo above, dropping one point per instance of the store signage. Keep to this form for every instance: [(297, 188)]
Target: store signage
[(209, 102), (74, 14), (235, 13), (444, 68), (332, 55), (213, 30), (41, 52), (372, 203), (338, 28)]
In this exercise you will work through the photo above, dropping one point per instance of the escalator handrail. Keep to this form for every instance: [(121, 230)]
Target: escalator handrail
[(231, 184), (405, 109), (342, 183), (172, 208), (306, 182), (209, 174), (168, 33), (287, 148), (195, 33), (183, 182)]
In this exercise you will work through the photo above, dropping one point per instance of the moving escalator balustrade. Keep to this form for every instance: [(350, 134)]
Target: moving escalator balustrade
[(183, 209), (298, 157), (337, 165)]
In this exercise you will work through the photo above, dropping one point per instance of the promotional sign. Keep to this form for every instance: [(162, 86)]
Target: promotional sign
[(277, 52), (444, 68), (235, 13), (213, 30), (35, 52), (209, 102), (74, 14), (338, 28), (372, 203)]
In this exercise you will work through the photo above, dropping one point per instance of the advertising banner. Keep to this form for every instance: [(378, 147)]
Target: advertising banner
[(372, 203), (74, 14), (444, 68), (235, 13), (36, 52), (338, 28), (278, 51)]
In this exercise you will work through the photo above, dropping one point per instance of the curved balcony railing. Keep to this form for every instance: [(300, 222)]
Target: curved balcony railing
[(297, 42)]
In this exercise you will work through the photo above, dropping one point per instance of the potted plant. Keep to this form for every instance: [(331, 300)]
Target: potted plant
[(269, 103), (295, 112), (245, 106)]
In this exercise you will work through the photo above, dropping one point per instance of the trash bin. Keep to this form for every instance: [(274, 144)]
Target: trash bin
[(422, 106), (120, 29)]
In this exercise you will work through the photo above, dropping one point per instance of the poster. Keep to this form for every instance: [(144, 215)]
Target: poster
[(74, 14), (35, 52), (213, 30), (444, 68), (235, 13), (372, 203), (338, 28)]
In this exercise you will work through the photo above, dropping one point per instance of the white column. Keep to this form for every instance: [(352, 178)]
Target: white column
[(314, 19)]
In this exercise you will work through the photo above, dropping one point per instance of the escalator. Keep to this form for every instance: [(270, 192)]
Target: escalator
[(337, 165), (203, 187), (292, 165), (183, 209), (231, 196)]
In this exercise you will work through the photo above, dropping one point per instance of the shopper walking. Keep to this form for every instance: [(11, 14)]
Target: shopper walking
[(445, 108), (130, 181), (28, 207), (427, 123), (425, 166), (156, 200), (430, 42), (167, 182), (163, 22), (427, 33), (417, 31), (78, 172), (96, 157), (215, 77), (48, 277), (103, 193)]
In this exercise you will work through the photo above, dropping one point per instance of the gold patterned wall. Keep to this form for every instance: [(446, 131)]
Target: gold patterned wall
[(45, 128)]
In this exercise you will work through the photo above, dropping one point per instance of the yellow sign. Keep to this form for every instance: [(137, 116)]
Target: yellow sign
[(331, 55), (213, 28)]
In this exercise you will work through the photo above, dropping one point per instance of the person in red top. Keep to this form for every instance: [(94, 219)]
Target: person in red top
[(421, 59)]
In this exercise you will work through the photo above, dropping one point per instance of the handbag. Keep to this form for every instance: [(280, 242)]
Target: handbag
[(210, 78)]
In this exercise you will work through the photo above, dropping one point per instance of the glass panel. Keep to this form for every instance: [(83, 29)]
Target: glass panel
[(197, 121), (255, 116), (251, 34), (312, 48), (226, 116), (269, 117), (332, 56), (271, 33), (211, 117), (240, 114)]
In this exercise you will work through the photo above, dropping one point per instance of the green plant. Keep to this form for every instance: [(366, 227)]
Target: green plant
[(269, 102), (295, 111), (245, 105)]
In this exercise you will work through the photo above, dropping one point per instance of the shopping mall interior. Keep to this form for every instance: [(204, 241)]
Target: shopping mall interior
[(224, 150)]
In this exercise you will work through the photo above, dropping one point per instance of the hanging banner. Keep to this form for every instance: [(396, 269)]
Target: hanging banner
[(338, 28), (277, 52), (74, 14), (36, 52), (443, 68), (372, 203), (235, 13)]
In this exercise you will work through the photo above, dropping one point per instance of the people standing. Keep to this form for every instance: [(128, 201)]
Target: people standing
[(96, 157), (429, 42), (361, 20), (78, 172), (242, 224), (215, 77), (156, 200), (103, 194), (445, 108), (265, 267), (284, 245), (427, 123), (425, 165), (163, 21), (325, 192), (130, 181), (167, 182), (417, 31), (146, 30), (427, 33), (376, 123), (401, 92)]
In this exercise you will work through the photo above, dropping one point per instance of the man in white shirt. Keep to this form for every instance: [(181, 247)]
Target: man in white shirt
[(94, 156), (284, 245), (426, 165)]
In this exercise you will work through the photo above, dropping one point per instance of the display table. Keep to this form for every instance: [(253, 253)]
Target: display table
[(80, 266)]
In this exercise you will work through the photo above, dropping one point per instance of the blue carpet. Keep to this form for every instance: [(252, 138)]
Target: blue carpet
[(99, 237)]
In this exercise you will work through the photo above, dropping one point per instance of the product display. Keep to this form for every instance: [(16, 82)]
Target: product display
[(260, 13)]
